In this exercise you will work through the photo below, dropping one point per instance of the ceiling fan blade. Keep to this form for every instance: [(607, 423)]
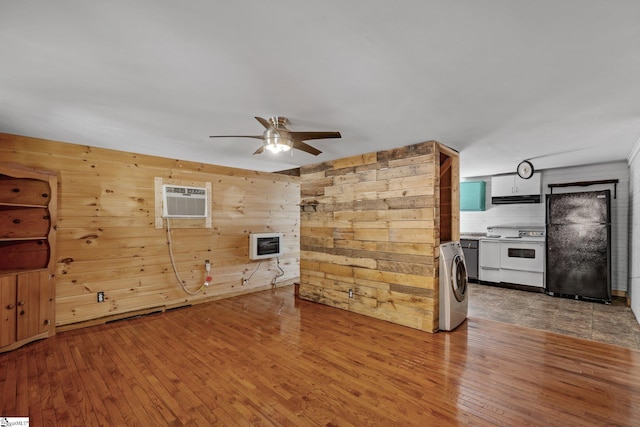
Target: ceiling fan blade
[(236, 136), (259, 150), (264, 122), (302, 136), (305, 147)]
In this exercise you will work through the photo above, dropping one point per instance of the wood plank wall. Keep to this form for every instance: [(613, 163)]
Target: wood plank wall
[(371, 224), (107, 240)]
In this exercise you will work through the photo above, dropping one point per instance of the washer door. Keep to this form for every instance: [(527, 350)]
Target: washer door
[(459, 278)]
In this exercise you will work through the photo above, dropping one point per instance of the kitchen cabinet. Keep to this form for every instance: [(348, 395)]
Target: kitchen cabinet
[(489, 260), (513, 189), (28, 201), (470, 250), (472, 195), (26, 308)]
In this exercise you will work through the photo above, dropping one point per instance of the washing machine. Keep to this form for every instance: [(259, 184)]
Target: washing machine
[(454, 298)]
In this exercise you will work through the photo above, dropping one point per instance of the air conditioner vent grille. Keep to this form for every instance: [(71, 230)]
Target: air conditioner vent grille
[(184, 202)]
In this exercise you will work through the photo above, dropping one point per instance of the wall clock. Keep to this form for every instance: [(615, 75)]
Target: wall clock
[(525, 169)]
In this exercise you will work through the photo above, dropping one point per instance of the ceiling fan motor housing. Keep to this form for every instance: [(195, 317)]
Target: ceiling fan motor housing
[(278, 122)]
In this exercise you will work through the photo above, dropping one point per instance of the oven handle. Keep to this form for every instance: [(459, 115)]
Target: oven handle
[(489, 268), (521, 269)]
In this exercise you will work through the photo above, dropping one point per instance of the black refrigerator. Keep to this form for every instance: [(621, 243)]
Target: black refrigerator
[(578, 256)]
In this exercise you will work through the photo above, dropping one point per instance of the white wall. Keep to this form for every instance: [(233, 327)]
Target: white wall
[(474, 222), (634, 230)]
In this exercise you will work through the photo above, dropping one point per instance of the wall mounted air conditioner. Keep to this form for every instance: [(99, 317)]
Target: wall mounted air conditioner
[(184, 202)]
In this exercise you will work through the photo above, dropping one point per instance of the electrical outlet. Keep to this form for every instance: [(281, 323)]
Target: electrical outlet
[(100, 296), (350, 293)]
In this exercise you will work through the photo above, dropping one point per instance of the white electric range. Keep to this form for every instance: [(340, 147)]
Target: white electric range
[(513, 254)]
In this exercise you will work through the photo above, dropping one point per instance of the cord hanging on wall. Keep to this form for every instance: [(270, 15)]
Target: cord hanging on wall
[(175, 268)]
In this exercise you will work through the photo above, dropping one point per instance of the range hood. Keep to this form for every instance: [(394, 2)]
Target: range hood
[(511, 189), (510, 200)]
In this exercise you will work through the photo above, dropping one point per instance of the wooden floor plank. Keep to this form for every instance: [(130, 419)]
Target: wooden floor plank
[(34, 402), (22, 383), (8, 386), (272, 359)]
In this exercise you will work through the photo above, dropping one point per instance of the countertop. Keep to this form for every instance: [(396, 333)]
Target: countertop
[(472, 236)]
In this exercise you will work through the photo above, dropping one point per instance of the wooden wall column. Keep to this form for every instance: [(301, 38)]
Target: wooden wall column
[(370, 232)]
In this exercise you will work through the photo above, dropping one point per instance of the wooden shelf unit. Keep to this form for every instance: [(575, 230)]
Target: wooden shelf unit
[(28, 207)]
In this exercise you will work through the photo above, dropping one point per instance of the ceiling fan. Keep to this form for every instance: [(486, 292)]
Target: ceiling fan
[(277, 138)]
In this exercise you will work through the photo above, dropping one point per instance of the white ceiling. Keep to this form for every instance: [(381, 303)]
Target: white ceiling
[(555, 81)]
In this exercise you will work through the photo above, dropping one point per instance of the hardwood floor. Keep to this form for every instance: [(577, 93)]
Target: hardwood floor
[(271, 359)]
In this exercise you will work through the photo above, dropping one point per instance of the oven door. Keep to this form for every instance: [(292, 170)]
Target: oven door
[(527, 256), (522, 262)]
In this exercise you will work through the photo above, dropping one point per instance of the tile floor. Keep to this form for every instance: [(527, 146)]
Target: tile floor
[(610, 323)]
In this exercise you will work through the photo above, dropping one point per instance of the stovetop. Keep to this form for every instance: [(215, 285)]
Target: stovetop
[(516, 232)]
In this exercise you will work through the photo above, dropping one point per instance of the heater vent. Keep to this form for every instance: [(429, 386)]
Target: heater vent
[(265, 245), (184, 202)]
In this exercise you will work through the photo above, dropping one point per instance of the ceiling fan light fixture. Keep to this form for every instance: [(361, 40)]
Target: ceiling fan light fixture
[(275, 143), (277, 147), (277, 138)]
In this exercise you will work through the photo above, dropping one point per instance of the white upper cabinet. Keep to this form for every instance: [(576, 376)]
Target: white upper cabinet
[(513, 189)]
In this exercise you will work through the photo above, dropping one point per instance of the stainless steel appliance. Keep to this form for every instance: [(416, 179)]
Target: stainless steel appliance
[(454, 301), (579, 245), (513, 254), (470, 250)]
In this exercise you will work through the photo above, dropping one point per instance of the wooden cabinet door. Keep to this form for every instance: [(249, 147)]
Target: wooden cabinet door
[(7, 310), (32, 304), (46, 304)]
